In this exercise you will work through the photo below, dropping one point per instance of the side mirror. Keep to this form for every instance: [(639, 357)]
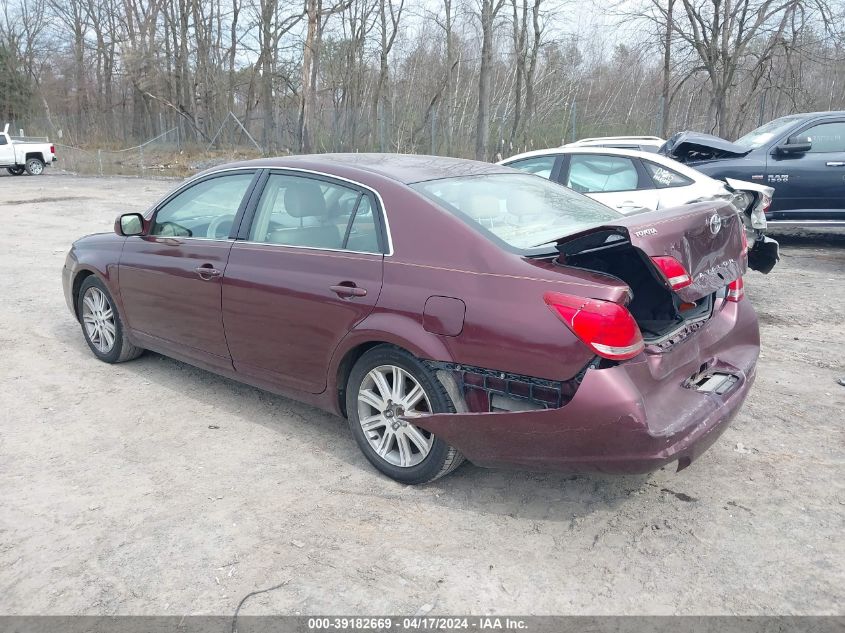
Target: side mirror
[(795, 145), (130, 224)]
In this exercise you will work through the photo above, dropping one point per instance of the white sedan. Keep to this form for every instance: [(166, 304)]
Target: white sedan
[(625, 179), (633, 181)]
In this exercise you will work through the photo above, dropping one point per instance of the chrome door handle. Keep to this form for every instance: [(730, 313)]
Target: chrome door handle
[(836, 163), (207, 272), (347, 291)]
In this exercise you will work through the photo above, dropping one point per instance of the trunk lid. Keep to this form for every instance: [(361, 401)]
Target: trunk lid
[(706, 238), (688, 147)]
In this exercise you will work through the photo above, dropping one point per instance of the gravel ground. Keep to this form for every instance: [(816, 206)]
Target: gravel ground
[(119, 494)]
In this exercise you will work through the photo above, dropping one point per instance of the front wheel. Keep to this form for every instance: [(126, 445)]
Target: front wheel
[(34, 166), (101, 324), (15, 171), (386, 389)]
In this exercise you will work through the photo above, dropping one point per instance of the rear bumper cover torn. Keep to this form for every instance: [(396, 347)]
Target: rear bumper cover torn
[(631, 418)]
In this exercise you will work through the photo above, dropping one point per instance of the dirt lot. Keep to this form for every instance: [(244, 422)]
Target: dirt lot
[(117, 496)]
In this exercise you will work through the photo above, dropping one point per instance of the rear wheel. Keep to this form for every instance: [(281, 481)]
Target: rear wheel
[(387, 388), (15, 171), (34, 166), (101, 324)]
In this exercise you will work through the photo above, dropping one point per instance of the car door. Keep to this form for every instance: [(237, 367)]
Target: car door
[(308, 269), (170, 278), (617, 181), (811, 185), (7, 151)]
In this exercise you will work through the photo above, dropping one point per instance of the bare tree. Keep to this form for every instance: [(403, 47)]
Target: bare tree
[(489, 11), (526, 19), (121, 71), (389, 14), (728, 35)]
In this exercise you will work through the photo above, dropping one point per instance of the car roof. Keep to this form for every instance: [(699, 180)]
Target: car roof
[(404, 168), (650, 140), (818, 114), (583, 149)]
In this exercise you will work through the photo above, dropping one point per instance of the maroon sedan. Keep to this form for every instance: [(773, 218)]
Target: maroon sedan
[(449, 309)]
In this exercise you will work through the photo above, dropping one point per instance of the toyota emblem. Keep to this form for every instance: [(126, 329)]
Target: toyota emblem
[(715, 223)]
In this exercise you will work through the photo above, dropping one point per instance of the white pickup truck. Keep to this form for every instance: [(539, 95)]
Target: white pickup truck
[(20, 154)]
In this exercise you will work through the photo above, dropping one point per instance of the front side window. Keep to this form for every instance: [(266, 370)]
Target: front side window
[(539, 165), (299, 211), (664, 178), (517, 211), (206, 209), (597, 173), (826, 137)]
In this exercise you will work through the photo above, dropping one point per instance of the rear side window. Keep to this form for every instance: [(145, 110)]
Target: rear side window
[(362, 233), (663, 177), (2, 140), (827, 137), (597, 173), (307, 212), (539, 165)]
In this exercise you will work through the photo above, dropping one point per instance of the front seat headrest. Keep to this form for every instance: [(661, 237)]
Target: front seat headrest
[(305, 200)]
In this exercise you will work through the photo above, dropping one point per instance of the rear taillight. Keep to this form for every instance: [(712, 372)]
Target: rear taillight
[(674, 272), (736, 290), (766, 203), (52, 149), (607, 328)]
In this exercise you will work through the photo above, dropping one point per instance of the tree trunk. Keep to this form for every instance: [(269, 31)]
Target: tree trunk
[(310, 67), (267, 12), (482, 123), (667, 69)]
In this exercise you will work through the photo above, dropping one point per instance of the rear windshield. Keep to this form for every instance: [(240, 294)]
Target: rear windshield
[(520, 211)]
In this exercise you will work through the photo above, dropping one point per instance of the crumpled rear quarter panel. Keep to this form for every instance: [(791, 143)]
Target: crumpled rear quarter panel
[(634, 417)]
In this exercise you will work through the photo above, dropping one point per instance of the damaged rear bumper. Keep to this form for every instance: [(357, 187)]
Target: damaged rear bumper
[(631, 418)]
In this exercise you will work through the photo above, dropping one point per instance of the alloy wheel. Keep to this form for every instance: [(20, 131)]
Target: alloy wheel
[(387, 397), (98, 319), (35, 168)]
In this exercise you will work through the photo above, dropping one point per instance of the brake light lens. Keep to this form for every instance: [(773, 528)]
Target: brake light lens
[(607, 328), (736, 290), (52, 149), (674, 272)]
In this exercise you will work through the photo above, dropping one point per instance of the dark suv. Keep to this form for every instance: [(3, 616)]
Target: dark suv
[(801, 155)]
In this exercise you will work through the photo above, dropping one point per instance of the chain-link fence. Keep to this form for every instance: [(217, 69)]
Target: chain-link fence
[(153, 157), (164, 155)]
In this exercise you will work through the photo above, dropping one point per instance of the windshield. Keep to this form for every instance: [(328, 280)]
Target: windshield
[(765, 133), (519, 210)]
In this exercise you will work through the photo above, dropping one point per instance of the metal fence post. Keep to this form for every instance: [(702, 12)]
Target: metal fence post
[(434, 131), (381, 134)]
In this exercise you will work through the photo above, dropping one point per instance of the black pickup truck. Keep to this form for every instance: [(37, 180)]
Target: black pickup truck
[(801, 155)]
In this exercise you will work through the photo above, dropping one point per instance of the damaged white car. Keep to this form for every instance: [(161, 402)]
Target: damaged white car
[(632, 181)]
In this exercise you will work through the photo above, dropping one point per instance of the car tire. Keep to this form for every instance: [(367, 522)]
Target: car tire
[(34, 166), (101, 324), (406, 442), (15, 171)]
